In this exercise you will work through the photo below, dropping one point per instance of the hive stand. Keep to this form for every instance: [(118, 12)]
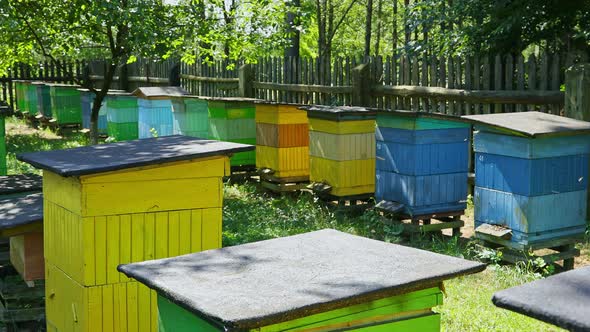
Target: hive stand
[(118, 203), (561, 299), (531, 177), (319, 281), (411, 224), (22, 302), (282, 146)]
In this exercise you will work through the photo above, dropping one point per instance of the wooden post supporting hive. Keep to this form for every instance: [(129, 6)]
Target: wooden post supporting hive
[(342, 151), (65, 104), (122, 116), (155, 110), (422, 167), (282, 145), (190, 116), (233, 120), (124, 202), (531, 177), (298, 283)]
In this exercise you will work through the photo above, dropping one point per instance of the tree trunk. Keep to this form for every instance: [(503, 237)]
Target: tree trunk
[(98, 100), (292, 19), (394, 35), (379, 21), (368, 28)]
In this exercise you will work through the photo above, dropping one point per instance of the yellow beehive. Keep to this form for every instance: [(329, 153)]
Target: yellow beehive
[(118, 203), (342, 149), (282, 141)]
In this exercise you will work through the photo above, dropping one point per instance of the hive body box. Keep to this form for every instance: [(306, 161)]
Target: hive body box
[(122, 116), (3, 113), (20, 90), (21, 219), (298, 283), (43, 100), (233, 120), (190, 116), (162, 199), (531, 175), (65, 104), (31, 97), (86, 103), (422, 161), (155, 110), (282, 140), (342, 149)]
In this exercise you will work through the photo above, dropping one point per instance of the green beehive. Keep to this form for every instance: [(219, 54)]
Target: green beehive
[(3, 112), (190, 116), (43, 100), (31, 97), (65, 104), (20, 92), (319, 281), (122, 116), (232, 119)]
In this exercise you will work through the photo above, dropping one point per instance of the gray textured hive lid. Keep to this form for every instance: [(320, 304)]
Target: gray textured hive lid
[(159, 92), (271, 102), (562, 299), (21, 211), (14, 184), (115, 156), (63, 85), (339, 113), (4, 110), (234, 99), (532, 124), (267, 282)]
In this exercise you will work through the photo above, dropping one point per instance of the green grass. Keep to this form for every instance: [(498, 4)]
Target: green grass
[(250, 214)]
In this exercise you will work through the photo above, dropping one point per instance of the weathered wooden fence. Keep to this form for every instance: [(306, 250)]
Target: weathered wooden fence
[(460, 85)]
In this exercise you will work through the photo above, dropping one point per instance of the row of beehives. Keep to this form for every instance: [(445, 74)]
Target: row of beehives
[(419, 161), (164, 200)]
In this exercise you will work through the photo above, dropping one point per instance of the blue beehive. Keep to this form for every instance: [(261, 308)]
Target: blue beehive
[(422, 162), (531, 174), (87, 102), (155, 110)]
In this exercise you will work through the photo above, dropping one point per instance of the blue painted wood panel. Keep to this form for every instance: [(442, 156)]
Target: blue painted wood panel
[(532, 218), (422, 159), (157, 115), (531, 177), (530, 148), (423, 194), (431, 136)]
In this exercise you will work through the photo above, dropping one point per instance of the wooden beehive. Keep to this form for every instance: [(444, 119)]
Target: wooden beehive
[(155, 110), (43, 100), (118, 203), (531, 175), (342, 149), (20, 90), (319, 281), (422, 161), (21, 219), (282, 140), (65, 104), (190, 115), (87, 102), (232, 119), (31, 97), (122, 116)]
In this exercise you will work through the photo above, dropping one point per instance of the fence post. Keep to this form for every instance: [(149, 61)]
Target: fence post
[(361, 85), (174, 75), (246, 78), (577, 98)]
